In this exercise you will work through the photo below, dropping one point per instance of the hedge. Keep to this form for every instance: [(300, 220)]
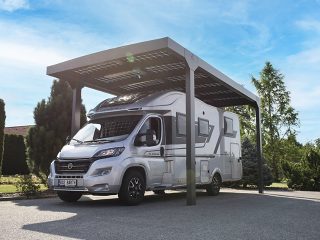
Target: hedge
[(14, 156), (2, 123)]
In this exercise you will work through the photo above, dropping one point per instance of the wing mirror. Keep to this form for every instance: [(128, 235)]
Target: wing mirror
[(68, 139)]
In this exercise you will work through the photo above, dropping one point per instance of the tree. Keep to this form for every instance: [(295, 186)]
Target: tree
[(2, 124), (247, 120), (53, 125), (305, 175), (14, 156), (250, 166), (279, 117)]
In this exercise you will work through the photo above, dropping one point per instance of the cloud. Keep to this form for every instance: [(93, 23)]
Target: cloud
[(302, 68), (13, 5), (29, 54), (309, 24)]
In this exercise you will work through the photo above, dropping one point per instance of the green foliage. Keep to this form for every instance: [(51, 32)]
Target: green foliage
[(14, 157), (2, 124), (290, 149), (250, 166), (27, 186), (53, 125), (247, 120), (305, 175), (278, 116)]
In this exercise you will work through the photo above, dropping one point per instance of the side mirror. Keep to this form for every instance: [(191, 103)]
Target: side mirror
[(151, 137), (68, 139)]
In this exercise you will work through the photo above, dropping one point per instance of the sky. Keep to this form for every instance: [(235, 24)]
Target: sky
[(237, 37)]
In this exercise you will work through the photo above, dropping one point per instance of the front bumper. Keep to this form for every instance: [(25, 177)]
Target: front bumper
[(88, 182)]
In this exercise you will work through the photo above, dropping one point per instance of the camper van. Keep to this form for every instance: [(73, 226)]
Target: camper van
[(137, 143)]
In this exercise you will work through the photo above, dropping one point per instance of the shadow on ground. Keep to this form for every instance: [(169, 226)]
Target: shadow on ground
[(227, 216)]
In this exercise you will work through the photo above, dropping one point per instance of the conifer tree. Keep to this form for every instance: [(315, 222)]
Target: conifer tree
[(53, 125)]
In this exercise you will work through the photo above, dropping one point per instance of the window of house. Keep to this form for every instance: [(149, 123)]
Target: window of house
[(203, 127)]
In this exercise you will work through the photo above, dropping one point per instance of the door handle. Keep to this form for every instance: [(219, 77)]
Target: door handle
[(161, 151)]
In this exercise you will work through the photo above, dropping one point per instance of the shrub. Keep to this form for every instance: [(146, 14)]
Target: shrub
[(250, 166), (304, 175), (27, 186)]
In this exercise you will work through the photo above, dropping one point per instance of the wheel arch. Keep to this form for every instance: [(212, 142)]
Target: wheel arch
[(138, 167), (217, 171)]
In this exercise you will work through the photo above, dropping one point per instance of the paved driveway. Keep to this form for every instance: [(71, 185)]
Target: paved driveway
[(233, 214)]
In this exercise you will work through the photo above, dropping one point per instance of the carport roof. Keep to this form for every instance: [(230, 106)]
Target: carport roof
[(148, 67)]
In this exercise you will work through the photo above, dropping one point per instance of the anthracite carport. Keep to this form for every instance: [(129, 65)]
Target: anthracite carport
[(153, 66)]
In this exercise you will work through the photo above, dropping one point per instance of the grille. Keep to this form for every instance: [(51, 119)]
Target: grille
[(71, 167)]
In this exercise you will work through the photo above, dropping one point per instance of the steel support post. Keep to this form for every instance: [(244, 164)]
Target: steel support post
[(190, 130), (76, 109), (259, 147)]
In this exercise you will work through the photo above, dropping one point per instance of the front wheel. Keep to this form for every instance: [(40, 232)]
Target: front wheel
[(213, 188), (69, 196), (132, 188)]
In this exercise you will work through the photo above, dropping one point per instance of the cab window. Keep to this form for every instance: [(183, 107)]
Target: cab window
[(151, 126)]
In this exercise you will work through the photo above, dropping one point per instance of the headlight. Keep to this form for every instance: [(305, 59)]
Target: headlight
[(102, 171), (111, 152)]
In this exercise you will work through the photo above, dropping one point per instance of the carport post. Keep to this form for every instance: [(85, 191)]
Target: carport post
[(76, 108), (259, 147), (190, 136)]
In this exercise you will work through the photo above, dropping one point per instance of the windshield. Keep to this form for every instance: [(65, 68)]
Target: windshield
[(109, 129)]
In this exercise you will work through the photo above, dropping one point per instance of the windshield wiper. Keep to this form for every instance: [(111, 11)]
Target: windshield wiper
[(78, 141), (100, 140)]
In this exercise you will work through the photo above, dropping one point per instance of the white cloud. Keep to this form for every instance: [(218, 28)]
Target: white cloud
[(13, 5), (302, 69), (310, 24), (29, 54)]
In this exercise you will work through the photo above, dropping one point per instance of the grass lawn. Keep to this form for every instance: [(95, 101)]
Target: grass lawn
[(7, 188), (7, 184), (10, 188), (282, 185)]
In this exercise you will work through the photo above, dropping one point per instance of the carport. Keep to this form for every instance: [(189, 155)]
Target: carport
[(153, 66)]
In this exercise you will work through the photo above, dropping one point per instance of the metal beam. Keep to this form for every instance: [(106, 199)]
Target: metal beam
[(76, 109), (259, 147), (190, 161)]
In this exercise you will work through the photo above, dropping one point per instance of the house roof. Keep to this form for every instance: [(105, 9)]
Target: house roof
[(17, 130)]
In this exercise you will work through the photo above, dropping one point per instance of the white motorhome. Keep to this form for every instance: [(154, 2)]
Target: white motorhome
[(136, 143)]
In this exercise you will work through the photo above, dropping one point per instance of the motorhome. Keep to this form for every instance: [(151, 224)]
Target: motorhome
[(137, 143)]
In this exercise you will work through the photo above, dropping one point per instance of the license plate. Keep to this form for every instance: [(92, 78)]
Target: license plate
[(67, 182)]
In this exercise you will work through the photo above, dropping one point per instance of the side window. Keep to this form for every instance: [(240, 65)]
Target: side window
[(228, 126), (203, 127), (153, 125), (181, 124)]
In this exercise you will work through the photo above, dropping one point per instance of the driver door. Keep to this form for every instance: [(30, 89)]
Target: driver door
[(152, 150)]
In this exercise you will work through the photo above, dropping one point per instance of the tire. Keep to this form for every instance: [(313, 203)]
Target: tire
[(69, 196), (213, 188), (132, 188), (159, 192)]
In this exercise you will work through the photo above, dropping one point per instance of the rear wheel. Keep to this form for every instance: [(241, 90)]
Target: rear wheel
[(213, 188), (69, 196), (132, 188)]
